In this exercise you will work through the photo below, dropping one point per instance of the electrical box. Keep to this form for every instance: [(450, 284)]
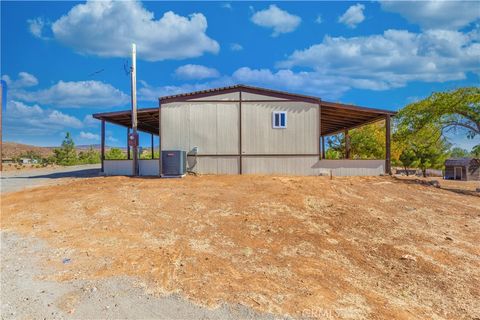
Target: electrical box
[(133, 140), (174, 163)]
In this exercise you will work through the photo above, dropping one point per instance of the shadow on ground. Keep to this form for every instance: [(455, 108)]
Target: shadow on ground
[(432, 183), (83, 173)]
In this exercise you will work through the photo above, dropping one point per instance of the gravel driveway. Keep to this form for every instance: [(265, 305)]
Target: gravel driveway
[(19, 180)]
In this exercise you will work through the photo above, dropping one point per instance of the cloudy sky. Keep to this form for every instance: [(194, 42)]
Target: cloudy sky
[(63, 61)]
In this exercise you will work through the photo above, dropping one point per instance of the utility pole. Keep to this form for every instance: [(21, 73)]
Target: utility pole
[(1, 141), (134, 136)]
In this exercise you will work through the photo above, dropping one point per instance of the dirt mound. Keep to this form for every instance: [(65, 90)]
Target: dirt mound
[(350, 248)]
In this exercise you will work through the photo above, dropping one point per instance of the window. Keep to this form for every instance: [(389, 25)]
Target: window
[(279, 119)]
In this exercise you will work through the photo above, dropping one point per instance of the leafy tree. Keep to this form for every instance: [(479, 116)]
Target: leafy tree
[(66, 155), (407, 158), (452, 110), (147, 154), (459, 153), (115, 154), (366, 142), (428, 145), (476, 151), (90, 156)]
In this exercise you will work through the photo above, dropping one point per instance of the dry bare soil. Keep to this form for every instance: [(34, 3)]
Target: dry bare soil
[(348, 248)]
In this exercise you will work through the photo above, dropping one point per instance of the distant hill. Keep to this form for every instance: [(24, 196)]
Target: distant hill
[(14, 149)]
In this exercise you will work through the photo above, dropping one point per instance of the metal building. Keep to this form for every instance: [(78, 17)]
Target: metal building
[(248, 130)]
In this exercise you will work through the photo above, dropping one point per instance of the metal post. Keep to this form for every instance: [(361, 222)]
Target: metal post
[(1, 139), (347, 145), (388, 168), (128, 146), (323, 147), (153, 152), (160, 138), (102, 150), (134, 109), (240, 154)]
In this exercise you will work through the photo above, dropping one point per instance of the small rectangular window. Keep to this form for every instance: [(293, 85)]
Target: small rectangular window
[(279, 119)]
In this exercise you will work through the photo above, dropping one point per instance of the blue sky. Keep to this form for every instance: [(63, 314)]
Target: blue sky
[(63, 61)]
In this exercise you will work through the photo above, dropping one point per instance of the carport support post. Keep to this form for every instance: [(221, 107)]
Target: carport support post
[(128, 145), (347, 145), (323, 148), (388, 169), (102, 154), (153, 153)]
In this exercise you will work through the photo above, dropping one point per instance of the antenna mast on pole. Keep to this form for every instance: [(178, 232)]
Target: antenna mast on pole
[(134, 134)]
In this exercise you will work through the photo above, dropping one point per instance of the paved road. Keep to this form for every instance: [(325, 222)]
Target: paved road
[(19, 180)]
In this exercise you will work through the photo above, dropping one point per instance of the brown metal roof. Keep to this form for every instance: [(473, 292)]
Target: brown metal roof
[(462, 162), (147, 119), (236, 88), (335, 117)]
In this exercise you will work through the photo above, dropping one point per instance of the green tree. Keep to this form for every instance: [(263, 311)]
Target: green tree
[(452, 110), (430, 148), (459, 153), (476, 151), (366, 142), (89, 156), (407, 158), (115, 154), (66, 155)]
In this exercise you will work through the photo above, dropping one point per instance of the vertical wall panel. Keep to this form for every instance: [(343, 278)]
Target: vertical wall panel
[(214, 165), (300, 136), (212, 127), (203, 127), (175, 126)]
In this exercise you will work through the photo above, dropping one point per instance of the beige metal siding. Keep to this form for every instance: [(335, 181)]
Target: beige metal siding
[(148, 167), (351, 167), (284, 165), (117, 167), (214, 165), (212, 127), (300, 136)]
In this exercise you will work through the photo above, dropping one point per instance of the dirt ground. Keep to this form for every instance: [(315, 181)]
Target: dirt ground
[(308, 247)]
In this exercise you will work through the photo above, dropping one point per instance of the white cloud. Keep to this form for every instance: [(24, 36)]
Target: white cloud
[(353, 16), (339, 64), (451, 15), (90, 121), (300, 82), (89, 136), (227, 5), (34, 120), (71, 94), (36, 26), (24, 80), (393, 58), (107, 29), (279, 20), (236, 47), (151, 93), (319, 19), (112, 139), (195, 71)]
